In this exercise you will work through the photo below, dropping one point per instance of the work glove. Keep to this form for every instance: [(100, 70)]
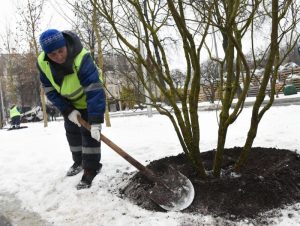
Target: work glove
[(73, 117), (96, 131)]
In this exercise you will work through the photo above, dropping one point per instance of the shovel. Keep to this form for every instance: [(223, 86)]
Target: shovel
[(172, 191)]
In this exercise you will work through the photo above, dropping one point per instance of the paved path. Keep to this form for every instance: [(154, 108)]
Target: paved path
[(4, 221), (13, 214)]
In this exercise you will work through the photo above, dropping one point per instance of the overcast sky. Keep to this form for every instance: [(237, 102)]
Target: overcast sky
[(54, 15)]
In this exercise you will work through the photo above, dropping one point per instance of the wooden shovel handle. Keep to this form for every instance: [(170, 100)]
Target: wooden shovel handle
[(145, 171)]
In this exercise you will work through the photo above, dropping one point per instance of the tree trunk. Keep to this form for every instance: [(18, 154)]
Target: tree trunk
[(45, 116), (100, 59), (222, 132)]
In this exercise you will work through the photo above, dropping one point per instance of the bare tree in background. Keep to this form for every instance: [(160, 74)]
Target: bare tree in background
[(178, 78), (209, 79), (88, 25), (31, 14), (10, 44)]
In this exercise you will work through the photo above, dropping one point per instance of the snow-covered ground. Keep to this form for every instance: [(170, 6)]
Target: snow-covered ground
[(34, 162)]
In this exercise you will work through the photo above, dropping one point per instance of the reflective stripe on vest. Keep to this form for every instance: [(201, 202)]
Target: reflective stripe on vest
[(70, 87), (14, 112)]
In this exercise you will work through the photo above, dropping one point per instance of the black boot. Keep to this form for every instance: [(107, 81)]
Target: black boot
[(87, 178), (74, 169)]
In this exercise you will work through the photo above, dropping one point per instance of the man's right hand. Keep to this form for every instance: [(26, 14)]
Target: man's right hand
[(73, 117)]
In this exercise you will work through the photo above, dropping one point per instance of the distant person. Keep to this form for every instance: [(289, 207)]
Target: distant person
[(73, 85), (51, 111), (15, 117)]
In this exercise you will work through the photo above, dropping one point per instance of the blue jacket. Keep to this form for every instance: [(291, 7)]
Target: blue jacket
[(87, 74)]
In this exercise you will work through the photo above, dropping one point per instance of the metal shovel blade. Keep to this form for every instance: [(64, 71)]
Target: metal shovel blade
[(174, 193)]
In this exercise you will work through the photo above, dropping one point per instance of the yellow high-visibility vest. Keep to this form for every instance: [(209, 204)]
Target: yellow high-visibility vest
[(14, 112), (70, 88)]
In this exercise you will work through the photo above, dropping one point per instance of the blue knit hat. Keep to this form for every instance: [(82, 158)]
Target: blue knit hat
[(51, 40)]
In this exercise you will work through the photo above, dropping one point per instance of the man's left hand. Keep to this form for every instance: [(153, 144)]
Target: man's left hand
[(96, 131)]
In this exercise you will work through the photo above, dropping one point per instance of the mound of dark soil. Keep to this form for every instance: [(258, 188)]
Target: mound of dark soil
[(269, 180)]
